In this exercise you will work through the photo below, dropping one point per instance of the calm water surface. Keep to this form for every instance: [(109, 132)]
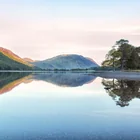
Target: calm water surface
[(68, 106)]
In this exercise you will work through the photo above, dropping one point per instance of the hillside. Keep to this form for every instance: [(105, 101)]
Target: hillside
[(71, 61), (13, 56), (11, 61), (28, 60), (7, 63)]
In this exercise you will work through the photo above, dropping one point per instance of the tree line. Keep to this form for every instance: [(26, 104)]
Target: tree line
[(123, 56)]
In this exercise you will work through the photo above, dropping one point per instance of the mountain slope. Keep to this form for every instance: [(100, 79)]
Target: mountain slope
[(8, 64), (13, 56), (28, 60), (71, 61)]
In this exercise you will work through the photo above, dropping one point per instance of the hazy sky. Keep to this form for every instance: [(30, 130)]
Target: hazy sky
[(41, 29)]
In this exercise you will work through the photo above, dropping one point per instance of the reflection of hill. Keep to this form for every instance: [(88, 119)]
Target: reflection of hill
[(8, 81), (65, 79), (122, 91)]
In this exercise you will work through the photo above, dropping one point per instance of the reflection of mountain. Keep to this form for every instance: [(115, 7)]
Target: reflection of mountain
[(65, 79), (122, 91), (8, 81)]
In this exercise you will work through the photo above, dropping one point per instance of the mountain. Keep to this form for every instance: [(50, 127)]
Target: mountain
[(28, 60), (10, 61), (13, 56), (71, 61)]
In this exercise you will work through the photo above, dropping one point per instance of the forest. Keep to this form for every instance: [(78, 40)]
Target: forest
[(122, 56)]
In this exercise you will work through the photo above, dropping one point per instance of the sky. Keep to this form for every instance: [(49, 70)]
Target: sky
[(40, 29)]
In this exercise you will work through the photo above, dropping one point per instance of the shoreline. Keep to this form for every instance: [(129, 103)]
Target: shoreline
[(87, 71), (78, 71), (132, 75)]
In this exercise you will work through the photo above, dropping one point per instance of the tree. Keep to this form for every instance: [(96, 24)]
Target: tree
[(121, 42), (125, 50), (123, 56), (112, 58)]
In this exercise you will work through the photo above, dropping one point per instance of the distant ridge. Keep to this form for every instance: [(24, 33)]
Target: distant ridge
[(28, 60), (11, 61), (13, 56), (67, 61), (92, 60)]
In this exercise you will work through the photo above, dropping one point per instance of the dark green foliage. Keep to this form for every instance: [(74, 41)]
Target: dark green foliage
[(123, 56), (9, 64), (133, 60)]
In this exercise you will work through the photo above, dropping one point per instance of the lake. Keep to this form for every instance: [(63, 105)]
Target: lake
[(68, 106)]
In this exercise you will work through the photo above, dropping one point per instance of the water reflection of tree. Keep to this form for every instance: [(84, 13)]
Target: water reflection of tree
[(122, 91)]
